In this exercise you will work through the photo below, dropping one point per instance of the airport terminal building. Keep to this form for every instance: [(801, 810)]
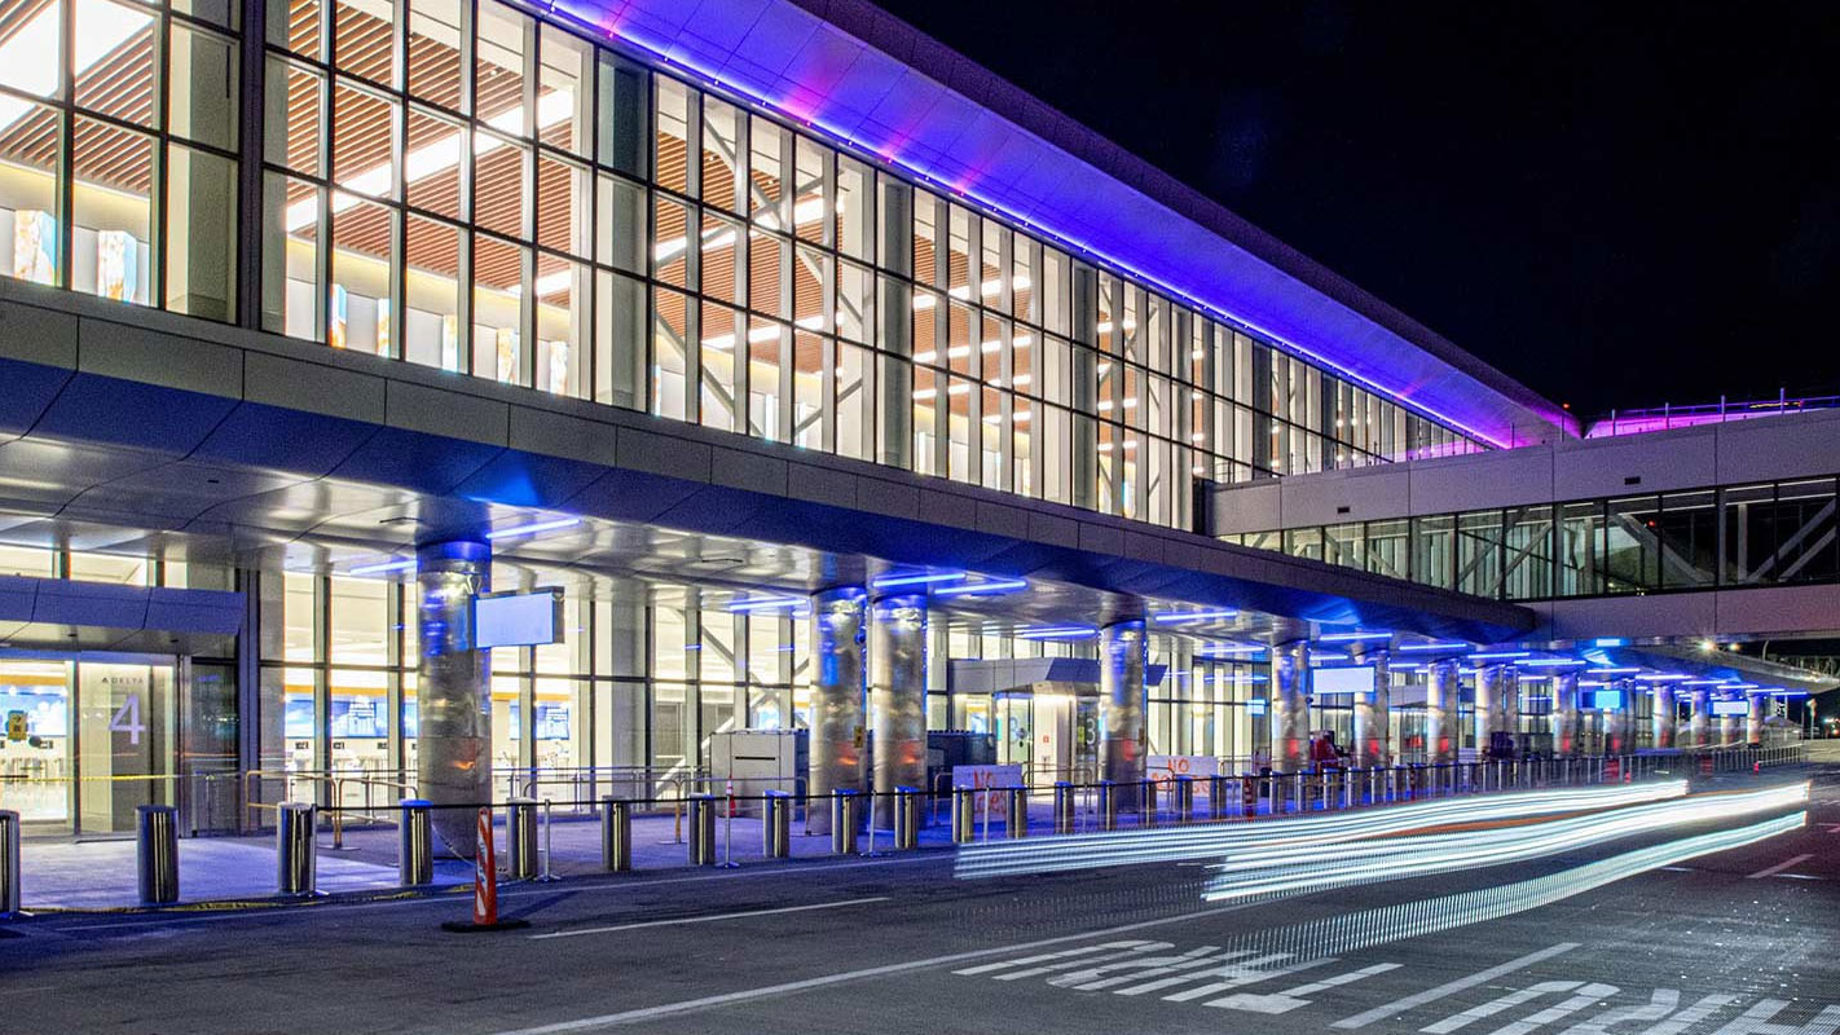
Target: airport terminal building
[(821, 380)]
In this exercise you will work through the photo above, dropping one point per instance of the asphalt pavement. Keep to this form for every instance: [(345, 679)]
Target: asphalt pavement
[(1740, 942)]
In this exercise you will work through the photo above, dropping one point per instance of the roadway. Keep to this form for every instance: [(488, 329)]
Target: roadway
[(1737, 943)]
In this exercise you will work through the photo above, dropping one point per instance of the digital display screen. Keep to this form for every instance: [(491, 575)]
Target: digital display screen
[(517, 620), (1731, 707), (1604, 700), (1356, 680)]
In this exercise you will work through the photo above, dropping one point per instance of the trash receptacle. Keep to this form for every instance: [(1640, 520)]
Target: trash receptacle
[(296, 850), (616, 835), (906, 818), (702, 830), (157, 853), (415, 844), (1017, 800), (844, 820), (521, 839), (776, 825), (1063, 807)]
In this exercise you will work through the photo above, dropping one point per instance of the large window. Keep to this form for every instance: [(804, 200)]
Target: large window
[(465, 187), (118, 135), (1747, 535)]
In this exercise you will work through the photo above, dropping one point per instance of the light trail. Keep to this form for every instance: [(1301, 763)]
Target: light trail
[(1302, 870), (1221, 840)]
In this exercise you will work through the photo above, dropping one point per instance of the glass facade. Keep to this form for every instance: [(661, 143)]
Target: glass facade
[(1768, 534), (467, 188)]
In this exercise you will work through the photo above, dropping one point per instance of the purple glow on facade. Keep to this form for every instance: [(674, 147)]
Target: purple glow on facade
[(791, 61)]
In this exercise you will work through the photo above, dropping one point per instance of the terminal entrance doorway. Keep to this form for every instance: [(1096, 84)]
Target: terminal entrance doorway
[(86, 739), (1053, 733)]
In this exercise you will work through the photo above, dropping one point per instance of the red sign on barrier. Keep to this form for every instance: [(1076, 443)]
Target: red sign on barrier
[(485, 872)]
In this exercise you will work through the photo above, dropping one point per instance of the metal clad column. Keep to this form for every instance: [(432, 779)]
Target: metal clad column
[(1565, 713), (1699, 705), (1489, 689), (1441, 694), (1663, 717), (1122, 650), (1753, 720), (1290, 707), (1728, 727), (838, 733), (454, 689), (897, 697), (1373, 722), (1617, 724), (1511, 703)]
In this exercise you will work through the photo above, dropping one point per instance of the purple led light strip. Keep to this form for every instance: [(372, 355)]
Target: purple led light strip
[(556, 10)]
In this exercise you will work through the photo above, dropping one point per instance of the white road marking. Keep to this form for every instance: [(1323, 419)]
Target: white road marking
[(1592, 993), (706, 919), (1772, 871), (1757, 1021), (789, 987), (1660, 1007), (1092, 979), (1450, 988), (1494, 1006), (985, 968), (1240, 975), (1292, 998), (1139, 949)]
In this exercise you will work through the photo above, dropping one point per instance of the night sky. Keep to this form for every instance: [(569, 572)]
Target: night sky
[(1619, 204)]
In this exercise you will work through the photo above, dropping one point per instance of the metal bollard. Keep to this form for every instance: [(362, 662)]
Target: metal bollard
[(521, 839), (776, 825), (616, 835), (843, 822), (157, 853), (9, 863), (1063, 807), (296, 854), (964, 814), (702, 846), (1217, 796), (906, 818), (415, 844), (1017, 799), (1146, 804), (1182, 799), (1108, 805)]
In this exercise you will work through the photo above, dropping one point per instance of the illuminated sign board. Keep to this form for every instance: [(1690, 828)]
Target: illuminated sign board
[(1604, 700), (517, 619), (1358, 679), (1256, 706), (1731, 707)]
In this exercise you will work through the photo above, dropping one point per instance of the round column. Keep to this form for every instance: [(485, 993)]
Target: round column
[(1122, 698), (1511, 704), (897, 697), (1373, 721), (1728, 728), (1663, 717), (1489, 691), (1290, 707), (453, 689), (1699, 711), (1564, 716), (1441, 695), (1617, 721), (1753, 720), (839, 734)]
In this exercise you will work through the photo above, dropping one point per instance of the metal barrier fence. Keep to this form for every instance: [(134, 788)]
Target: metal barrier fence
[(977, 813)]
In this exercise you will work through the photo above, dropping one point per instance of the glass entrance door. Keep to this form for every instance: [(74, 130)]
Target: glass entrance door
[(35, 756), (86, 740)]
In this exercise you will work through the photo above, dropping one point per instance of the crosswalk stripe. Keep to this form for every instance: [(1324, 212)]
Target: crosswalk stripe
[(1450, 988)]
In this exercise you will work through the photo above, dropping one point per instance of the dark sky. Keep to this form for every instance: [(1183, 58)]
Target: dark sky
[(1621, 204)]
